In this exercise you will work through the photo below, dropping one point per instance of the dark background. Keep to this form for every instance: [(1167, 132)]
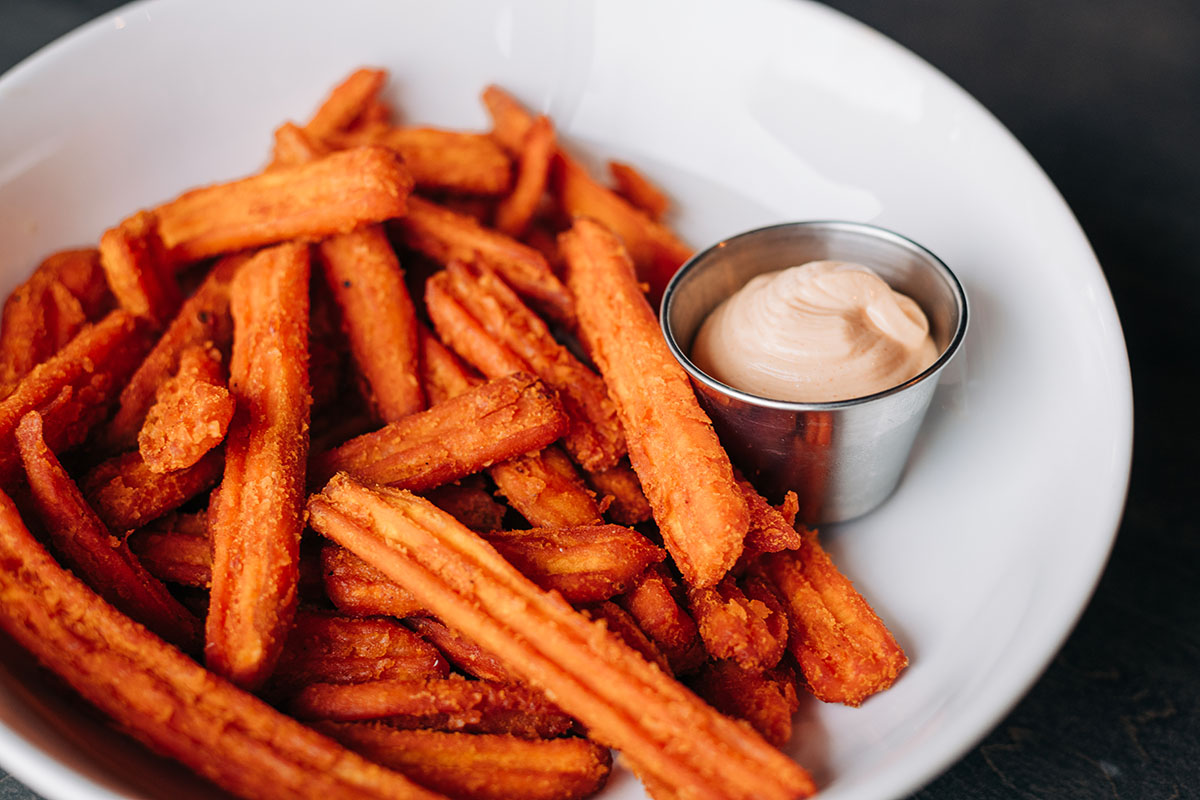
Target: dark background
[(1106, 96)]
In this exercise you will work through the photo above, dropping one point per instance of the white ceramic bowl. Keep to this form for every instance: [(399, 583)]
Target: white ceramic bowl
[(748, 114)]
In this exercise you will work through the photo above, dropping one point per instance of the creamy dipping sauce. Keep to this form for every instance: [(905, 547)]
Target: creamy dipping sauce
[(822, 331)]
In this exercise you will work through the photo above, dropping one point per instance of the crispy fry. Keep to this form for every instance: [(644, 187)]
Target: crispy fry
[(473, 506), (619, 486), (257, 515), (520, 338), (293, 146), (666, 731), (334, 194), (462, 652), (446, 236), (346, 103), (165, 699), (127, 494), (133, 261), (89, 550), (190, 415), (686, 475), (746, 624), (73, 389), (203, 317), (621, 624), (769, 531), (654, 605), (638, 190), (766, 700), (510, 121), (358, 589), (546, 489), (482, 766), (326, 648), (508, 416), (446, 704), (442, 160), (81, 273), (844, 650), (585, 564), (175, 549), (365, 278), (443, 374), (516, 210)]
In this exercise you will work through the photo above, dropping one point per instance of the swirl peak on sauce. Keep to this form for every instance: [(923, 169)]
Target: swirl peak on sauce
[(815, 333)]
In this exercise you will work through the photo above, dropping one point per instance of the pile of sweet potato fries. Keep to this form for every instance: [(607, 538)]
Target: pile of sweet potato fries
[(319, 526)]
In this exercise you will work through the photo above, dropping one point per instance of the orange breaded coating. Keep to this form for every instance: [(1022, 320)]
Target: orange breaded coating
[(445, 704), (844, 650), (546, 489), (446, 236), (81, 273), (638, 190), (175, 549), (510, 121), (356, 588), (655, 605), (664, 730), (464, 654), (442, 160), (257, 514), (165, 699), (90, 550), (767, 700), (454, 438), (620, 487), (190, 415), (621, 624), (331, 195), (595, 438), (744, 623), (482, 766), (365, 278), (770, 531), (127, 494), (346, 103), (74, 388), (684, 471), (134, 265), (473, 506), (203, 317), (327, 648), (517, 209), (294, 146), (585, 564)]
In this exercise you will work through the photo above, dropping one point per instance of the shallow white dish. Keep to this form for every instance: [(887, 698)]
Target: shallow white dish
[(748, 114)]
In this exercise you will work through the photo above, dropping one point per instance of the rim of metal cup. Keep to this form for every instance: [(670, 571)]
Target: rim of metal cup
[(952, 346)]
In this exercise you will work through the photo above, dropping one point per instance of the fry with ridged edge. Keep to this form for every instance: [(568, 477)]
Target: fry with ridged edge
[(655, 605), (621, 624), (356, 588), (89, 549), (664, 730), (442, 160), (481, 766), (348, 100), (743, 622), (133, 261), (127, 494), (165, 699), (516, 210), (175, 549), (767, 700), (190, 415), (684, 471), (257, 514), (331, 195), (620, 488), (464, 654), (770, 531)]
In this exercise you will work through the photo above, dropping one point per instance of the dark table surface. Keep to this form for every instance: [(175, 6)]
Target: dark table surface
[(1106, 96)]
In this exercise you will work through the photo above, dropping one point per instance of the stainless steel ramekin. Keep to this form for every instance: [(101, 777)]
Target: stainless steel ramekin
[(842, 458)]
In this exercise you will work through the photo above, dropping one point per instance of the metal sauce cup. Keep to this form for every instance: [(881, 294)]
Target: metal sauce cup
[(842, 458)]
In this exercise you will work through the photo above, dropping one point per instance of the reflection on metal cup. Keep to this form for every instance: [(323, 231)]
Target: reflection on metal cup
[(842, 458)]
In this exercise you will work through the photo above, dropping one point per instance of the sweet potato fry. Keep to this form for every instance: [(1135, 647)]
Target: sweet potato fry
[(365, 278), (619, 487), (510, 121), (546, 489), (585, 564), (446, 236), (164, 698), (481, 766), (190, 415), (134, 265), (844, 650), (442, 160), (203, 317), (666, 731), (346, 103), (514, 335), (445, 704), (257, 515), (638, 190), (175, 549), (74, 388), (684, 471), (358, 589), (91, 552), (654, 604), (81, 273), (769, 531), (127, 494), (457, 437), (331, 195), (293, 146), (767, 700), (473, 506), (622, 625), (464, 654), (326, 648), (744, 624), (516, 210)]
